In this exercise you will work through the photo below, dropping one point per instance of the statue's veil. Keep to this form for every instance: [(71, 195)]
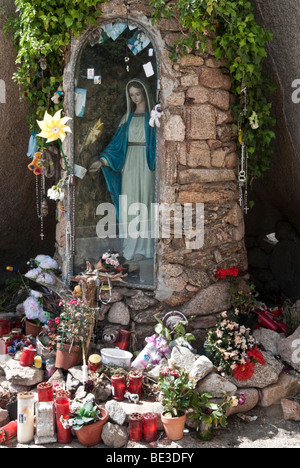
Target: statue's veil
[(148, 94)]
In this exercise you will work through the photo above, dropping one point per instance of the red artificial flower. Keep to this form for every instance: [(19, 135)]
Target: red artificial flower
[(223, 273), (244, 371), (256, 355)]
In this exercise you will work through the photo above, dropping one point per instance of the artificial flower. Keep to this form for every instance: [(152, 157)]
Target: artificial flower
[(254, 121), (34, 273), (54, 128), (55, 193), (95, 133), (244, 371), (46, 262), (256, 355), (223, 273)]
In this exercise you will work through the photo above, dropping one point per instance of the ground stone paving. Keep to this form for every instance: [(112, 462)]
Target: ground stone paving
[(266, 429)]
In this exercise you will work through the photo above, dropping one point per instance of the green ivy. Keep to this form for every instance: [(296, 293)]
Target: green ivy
[(42, 32), (239, 40)]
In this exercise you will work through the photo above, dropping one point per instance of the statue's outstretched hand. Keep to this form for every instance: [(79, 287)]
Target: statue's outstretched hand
[(95, 166)]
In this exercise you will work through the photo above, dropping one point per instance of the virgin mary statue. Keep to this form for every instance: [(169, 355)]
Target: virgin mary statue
[(128, 165)]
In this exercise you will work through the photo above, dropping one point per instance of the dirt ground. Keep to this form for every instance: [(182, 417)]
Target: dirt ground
[(266, 429)]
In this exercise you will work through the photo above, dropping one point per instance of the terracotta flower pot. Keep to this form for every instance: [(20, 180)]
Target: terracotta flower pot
[(174, 427), (65, 359), (32, 329), (90, 435)]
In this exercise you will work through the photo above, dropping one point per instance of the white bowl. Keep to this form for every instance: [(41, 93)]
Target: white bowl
[(116, 356)]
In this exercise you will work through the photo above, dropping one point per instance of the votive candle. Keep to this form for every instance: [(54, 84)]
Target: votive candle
[(8, 432), (150, 427), (64, 436), (135, 381), (45, 392), (118, 387), (122, 341), (135, 426), (25, 431)]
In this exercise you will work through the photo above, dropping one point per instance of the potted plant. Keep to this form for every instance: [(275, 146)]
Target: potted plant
[(35, 316), (177, 390), (87, 420), (209, 414), (75, 326)]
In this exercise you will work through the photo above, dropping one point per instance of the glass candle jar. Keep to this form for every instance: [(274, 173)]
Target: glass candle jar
[(123, 338), (135, 381), (62, 404), (63, 394), (5, 343), (45, 392), (135, 426), (8, 432), (150, 427), (16, 334), (25, 431), (94, 362), (4, 329), (27, 356), (118, 387)]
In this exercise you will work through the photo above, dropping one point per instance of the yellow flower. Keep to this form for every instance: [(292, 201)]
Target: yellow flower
[(54, 128)]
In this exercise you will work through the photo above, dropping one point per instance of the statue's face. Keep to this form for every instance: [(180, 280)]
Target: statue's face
[(136, 95)]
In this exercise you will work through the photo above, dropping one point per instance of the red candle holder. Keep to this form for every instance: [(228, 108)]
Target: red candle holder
[(8, 432), (64, 436), (4, 327), (27, 356), (135, 426), (135, 381), (45, 392), (123, 338), (118, 387), (5, 342), (150, 427), (63, 394), (94, 362)]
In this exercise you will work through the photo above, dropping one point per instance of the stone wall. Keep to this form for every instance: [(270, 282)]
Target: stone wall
[(199, 168)]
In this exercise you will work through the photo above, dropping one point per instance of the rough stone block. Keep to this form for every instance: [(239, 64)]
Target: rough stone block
[(203, 122)]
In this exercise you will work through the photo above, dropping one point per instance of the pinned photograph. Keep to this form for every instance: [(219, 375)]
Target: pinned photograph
[(80, 100), (138, 42)]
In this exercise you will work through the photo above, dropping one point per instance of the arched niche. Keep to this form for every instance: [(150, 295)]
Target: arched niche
[(104, 61)]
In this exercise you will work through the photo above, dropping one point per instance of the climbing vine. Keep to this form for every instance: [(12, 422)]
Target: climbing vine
[(237, 38), (42, 32)]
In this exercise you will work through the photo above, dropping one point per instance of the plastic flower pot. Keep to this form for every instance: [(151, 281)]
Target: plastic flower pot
[(32, 328), (174, 427), (90, 435)]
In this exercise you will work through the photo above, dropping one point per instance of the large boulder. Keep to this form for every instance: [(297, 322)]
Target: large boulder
[(289, 349)]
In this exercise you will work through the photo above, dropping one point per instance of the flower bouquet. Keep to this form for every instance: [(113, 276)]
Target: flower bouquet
[(232, 348), (243, 295), (42, 270), (110, 261)]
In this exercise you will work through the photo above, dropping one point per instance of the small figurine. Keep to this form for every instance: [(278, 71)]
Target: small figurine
[(36, 164), (132, 397), (156, 114), (57, 95)]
